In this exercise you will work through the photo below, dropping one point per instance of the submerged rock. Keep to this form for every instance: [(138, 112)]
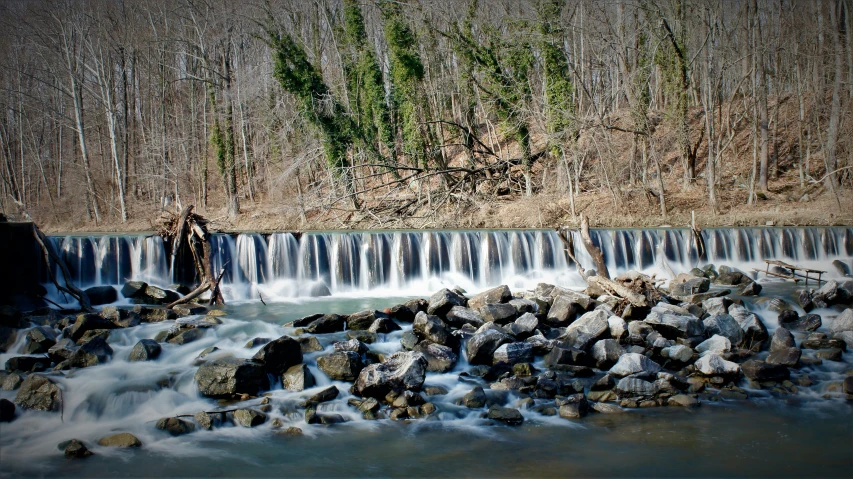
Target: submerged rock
[(145, 350), (121, 440), (249, 417), (506, 415), (75, 449), (175, 426)]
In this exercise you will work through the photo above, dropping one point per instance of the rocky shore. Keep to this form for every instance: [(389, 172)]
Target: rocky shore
[(520, 355)]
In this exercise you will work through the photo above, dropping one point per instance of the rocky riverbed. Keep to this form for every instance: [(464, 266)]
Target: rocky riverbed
[(135, 377)]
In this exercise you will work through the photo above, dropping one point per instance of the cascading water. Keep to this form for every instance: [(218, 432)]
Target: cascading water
[(280, 265)]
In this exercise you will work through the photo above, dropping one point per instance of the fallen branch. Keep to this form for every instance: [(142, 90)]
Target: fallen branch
[(593, 250), (618, 289)]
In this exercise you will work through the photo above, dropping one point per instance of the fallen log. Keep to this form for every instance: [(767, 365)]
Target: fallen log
[(618, 289)]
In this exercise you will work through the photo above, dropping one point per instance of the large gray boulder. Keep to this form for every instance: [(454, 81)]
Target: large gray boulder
[(631, 387), (842, 322), (93, 352), (443, 301), (400, 372), (686, 284), (498, 313), (362, 320), (481, 347), (88, 322), (714, 365), (175, 426), (145, 350), (227, 377), (40, 393), (297, 378), (674, 322), (606, 352), (475, 398), (716, 344), (279, 355), (327, 323), (586, 329), (512, 353), (40, 340), (459, 316), (789, 357), (506, 415), (634, 363), (724, 325), (432, 328), (563, 310), (761, 371), (341, 366), (782, 339), (440, 359), (499, 294)]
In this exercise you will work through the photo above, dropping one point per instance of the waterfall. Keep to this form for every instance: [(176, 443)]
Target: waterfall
[(416, 263)]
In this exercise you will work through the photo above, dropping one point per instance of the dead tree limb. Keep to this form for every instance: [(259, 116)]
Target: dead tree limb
[(569, 248), (619, 290), (593, 250)]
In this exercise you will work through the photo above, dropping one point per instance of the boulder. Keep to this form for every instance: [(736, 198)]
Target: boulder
[(733, 278), (189, 309), (606, 352), (498, 313), (443, 301), (7, 410), (679, 353), (634, 363), (249, 417), (440, 359), (11, 382), (279, 355), (75, 449), (716, 344), (523, 305), (62, 350), (432, 328), (88, 322), (793, 322), (27, 364), (353, 345), (672, 323), (724, 325), (175, 426), (714, 306), (121, 440), (327, 323), (91, 353), (341, 366), (751, 289), (499, 294), (563, 310), (506, 415), (714, 365), (831, 354), (227, 377), (328, 394), (383, 326), (618, 327), (208, 420), (157, 295), (761, 371), (401, 313), (754, 330), (362, 320), (133, 289), (99, 295), (40, 340), (632, 387), (687, 284), (297, 378), (574, 406), (145, 350), (560, 355), (684, 400), (586, 329), (8, 336), (481, 347), (309, 344), (782, 339), (784, 356), (400, 371), (459, 316), (842, 322), (512, 353), (475, 398)]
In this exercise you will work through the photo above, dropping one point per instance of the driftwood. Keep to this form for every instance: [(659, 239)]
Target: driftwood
[(189, 230), (698, 240), (618, 289), (569, 248), (593, 250)]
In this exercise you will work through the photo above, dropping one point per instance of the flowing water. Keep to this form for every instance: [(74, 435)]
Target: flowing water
[(804, 434)]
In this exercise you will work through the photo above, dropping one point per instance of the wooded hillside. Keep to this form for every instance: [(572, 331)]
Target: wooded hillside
[(421, 113)]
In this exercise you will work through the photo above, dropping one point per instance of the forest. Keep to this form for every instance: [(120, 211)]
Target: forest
[(424, 113)]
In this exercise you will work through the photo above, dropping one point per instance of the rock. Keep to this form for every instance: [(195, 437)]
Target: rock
[(292, 431), (679, 353), (761, 371), (777, 305), (326, 395), (633, 363), (754, 331), (88, 322), (733, 278), (831, 354), (309, 344), (564, 356), (40, 340), (442, 301), (27, 364), (401, 313), (329, 323), (481, 347), (632, 387), (313, 417), (8, 336), (726, 326), (133, 289), (589, 327), (475, 398), (506, 415), (563, 310), (432, 328), (227, 377), (500, 294), (39, 393), (62, 350), (7, 410), (497, 313), (751, 289), (249, 417), (820, 341), (175, 426), (279, 355), (362, 320), (605, 408), (154, 314), (606, 352), (353, 345), (523, 305), (365, 337), (157, 295), (784, 356), (846, 336), (686, 284), (683, 400), (842, 322), (11, 382), (782, 339), (189, 309), (574, 410), (341, 366), (400, 371), (847, 385), (440, 359), (101, 295), (525, 326), (791, 321), (145, 350), (255, 342), (714, 365), (673, 323), (75, 449), (716, 344), (186, 336), (459, 316), (409, 340), (383, 326), (512, 353), (92, 353), (297, 378), (208, 420), (121, 440)]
